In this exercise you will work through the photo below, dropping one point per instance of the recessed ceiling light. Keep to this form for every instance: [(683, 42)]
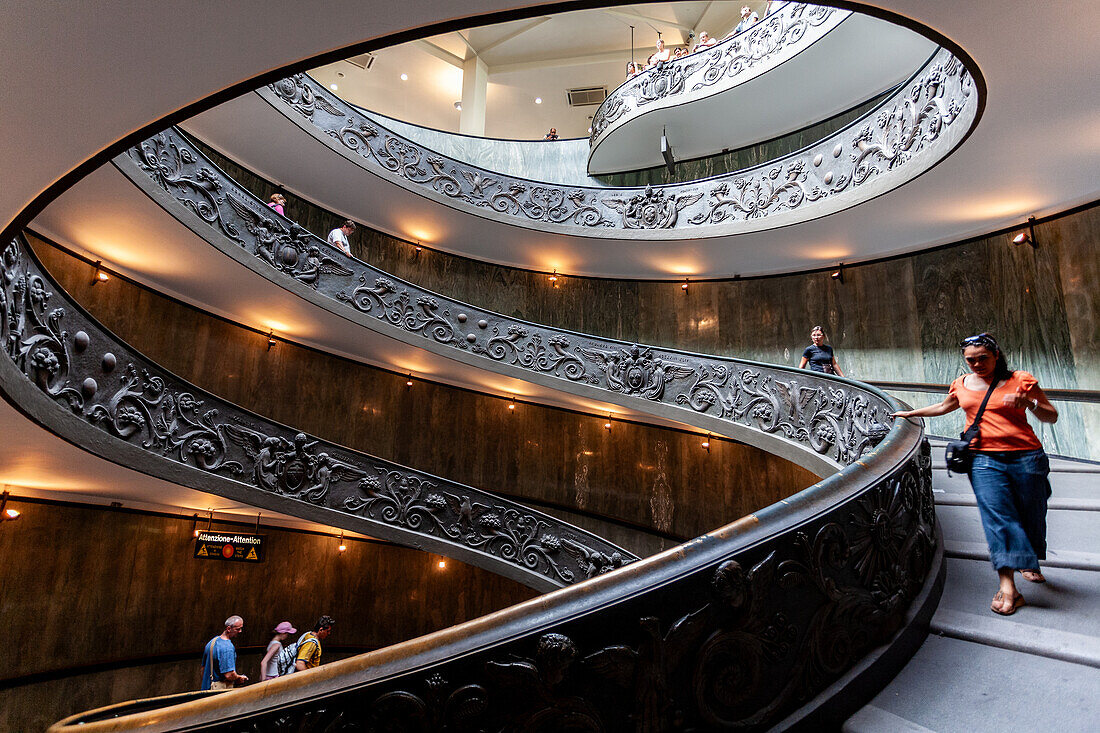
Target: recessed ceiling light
[(332, 87), (340, 74), (458, 106), (404, 77), (538, 100)]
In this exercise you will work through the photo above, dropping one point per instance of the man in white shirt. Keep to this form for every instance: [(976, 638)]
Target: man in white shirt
[(339, 237), (749, 18)]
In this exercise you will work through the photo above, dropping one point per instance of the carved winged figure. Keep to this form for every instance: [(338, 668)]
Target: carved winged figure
[(326, 471), (593, 562), (632, 371), (316, 264), (267, 453)]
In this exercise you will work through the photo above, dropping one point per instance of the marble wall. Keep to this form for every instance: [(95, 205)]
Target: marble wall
[(124, 588)]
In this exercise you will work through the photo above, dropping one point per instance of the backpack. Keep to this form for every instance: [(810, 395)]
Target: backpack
[(284, 663)]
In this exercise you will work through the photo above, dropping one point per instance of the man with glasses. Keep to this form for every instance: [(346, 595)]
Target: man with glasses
[(219, 658)]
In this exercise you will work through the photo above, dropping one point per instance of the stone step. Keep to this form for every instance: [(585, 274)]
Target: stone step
[(993, 630), (871, 719), (1055, 558), (956, 685), (1067, 530), (1081, 505), (1063, 485), (1069, 601)]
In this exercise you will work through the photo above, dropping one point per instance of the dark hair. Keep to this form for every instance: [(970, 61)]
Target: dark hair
[(324, 622), (349, 224), (986, 341)]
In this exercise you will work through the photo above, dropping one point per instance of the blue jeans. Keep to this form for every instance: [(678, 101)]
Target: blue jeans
[(1012, 491)]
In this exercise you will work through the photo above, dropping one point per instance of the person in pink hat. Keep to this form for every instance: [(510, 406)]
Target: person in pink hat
[(269, 667)]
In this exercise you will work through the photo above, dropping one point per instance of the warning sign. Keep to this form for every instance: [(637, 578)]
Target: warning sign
[(230, 546)]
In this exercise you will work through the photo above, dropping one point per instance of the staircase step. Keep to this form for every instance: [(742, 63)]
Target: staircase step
[(1064, 485), (871, 719), (1003, 633), (957, 685), (1055, 558), (1081, 505), (1069, 601), (1067, 530)]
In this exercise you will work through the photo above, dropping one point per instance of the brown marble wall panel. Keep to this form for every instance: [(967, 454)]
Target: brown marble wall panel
[(124, 585), (533, 451)]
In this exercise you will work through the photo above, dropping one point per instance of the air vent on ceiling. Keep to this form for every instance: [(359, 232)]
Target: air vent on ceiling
[(586, 96), (363, 60)]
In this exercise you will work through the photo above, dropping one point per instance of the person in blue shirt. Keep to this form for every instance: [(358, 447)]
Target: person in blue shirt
[(819, 355), (219, 658)]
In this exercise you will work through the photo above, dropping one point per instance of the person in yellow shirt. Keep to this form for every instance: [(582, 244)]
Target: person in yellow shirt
[(309, 645)]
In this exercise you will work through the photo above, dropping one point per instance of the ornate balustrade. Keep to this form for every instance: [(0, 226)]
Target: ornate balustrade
[(820, 422), (731, 62), (133, 412), (908, 133)]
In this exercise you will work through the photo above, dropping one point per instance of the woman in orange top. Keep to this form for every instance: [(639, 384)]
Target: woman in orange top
[(1009, 473)]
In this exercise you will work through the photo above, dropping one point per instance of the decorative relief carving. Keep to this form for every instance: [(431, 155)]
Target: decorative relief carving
[(830, 418), (734, 645), (911, 125), (141, 405)]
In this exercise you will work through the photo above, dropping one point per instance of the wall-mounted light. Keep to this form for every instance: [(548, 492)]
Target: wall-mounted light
[(418, 247), (7, 514), (607, 425), (554, 277), (1028, 236), (100, 275), (442, 565), (684, 286), (705, 445), (342, 547), (271, 340), (838, 273), (512, 404), (195, 525), (409, 380), (458, 106)]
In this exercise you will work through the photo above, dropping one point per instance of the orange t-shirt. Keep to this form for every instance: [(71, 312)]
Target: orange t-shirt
[(1003, 427)]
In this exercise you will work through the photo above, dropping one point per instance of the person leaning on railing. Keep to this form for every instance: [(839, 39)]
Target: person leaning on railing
[(1009, 471)]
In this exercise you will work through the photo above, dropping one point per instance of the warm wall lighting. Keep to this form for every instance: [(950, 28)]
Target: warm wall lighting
[(271, 340), (442, 565), (838, 273), (1028, 236), (554, 277), (409, 380), (7, 514), (706, 443), (684, 287), (99, 276), (195, 525), (607, 425), (343, 547), (512, 404), (418, 247)]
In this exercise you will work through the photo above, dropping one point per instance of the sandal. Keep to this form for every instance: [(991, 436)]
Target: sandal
[(1033, 576), (998, 608)]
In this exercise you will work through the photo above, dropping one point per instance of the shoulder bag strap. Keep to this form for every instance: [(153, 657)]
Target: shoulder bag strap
[(974, 431)]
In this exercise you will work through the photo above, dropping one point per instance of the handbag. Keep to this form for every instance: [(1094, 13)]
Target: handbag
[(958, 454)]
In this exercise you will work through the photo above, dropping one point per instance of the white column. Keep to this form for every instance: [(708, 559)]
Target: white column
[(475, 82)]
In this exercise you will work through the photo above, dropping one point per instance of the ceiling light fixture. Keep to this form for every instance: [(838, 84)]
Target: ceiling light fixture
[(333, 87), (838, 273), (1028, 236), (538, 100), (404, 77)]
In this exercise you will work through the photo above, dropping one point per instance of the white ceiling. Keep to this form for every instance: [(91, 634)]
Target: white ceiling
[(536, 57), (1036, 151)]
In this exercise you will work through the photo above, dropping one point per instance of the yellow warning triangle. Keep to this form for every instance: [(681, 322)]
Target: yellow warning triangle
[(202, 551), (251, 554)]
